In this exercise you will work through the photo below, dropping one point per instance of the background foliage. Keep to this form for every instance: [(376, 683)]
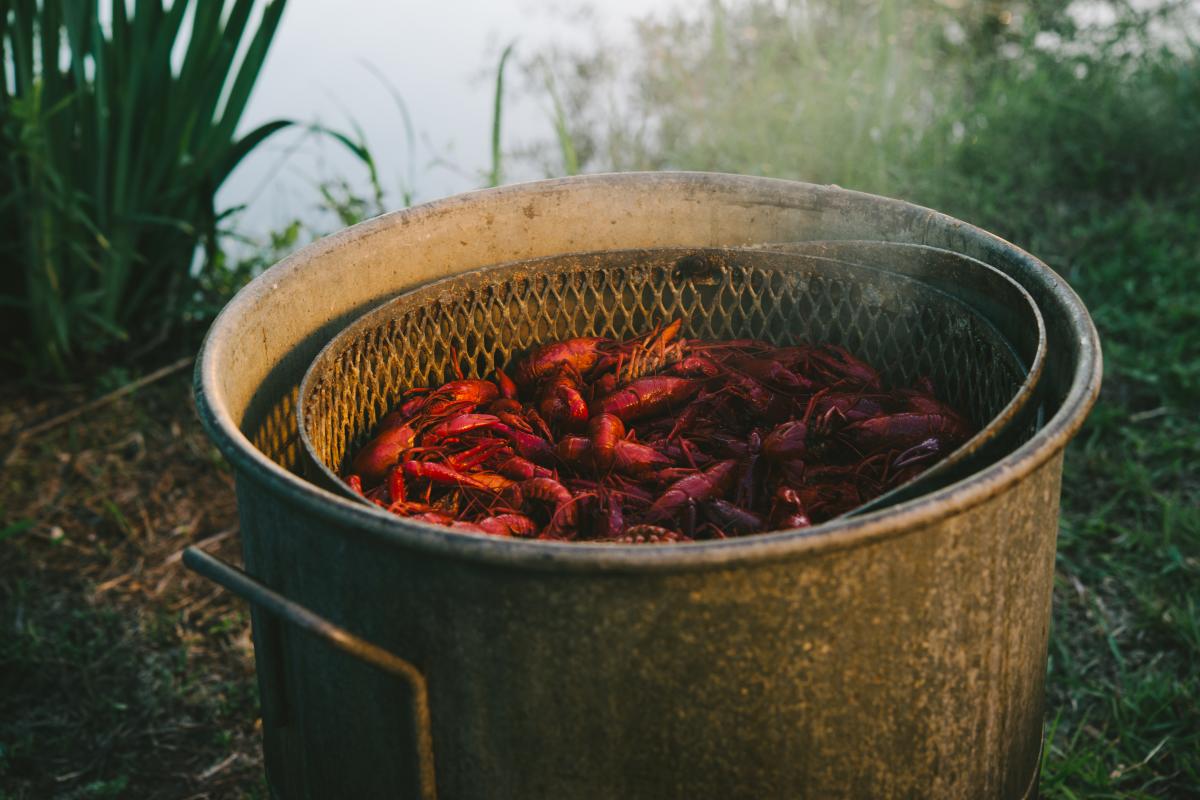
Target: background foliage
[(117, 126)]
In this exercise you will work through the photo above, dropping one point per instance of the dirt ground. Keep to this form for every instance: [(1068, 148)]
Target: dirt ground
[(122, 674)]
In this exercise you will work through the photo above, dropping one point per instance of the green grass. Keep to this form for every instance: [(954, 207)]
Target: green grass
[(1083, 153), (122, 674), (1124, 679), (95, 699)]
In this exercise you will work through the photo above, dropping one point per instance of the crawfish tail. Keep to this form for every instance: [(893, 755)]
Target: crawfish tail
[(699, 486), (646, 397), (732, 518), (508, 525), (637, 459), (605, 431), (456, 426)]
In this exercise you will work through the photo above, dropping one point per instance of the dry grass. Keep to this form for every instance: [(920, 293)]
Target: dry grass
[(121, 673)]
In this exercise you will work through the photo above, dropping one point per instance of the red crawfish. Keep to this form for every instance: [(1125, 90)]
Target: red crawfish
[(701, 412), (824, 407), (521, 469), (377, 456), (442, 474), (631, 458), (395, 485), (915, 460), (650, 353), (514, 419), (606, 384), (505, 405), (786, 442), (865, 476), (573, 450), (604, 431), (787, 510), (487, 450), (616, 486), (646, 397), (392, 419), (470, 391), (550, 492), (537, 424), (771, 372), (697, 367), (492, 481), (669, 475), (611, 521), (528, 445), (694, 488), (457, 426), (837, 366), (745, 486), (904, 430), (508, 389), (559, 399), (761, 400), (508, 525), (732, 518), (434, 518), (581, 354), (824, 501)]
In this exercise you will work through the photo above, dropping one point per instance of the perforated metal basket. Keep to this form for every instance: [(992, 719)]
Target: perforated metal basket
[(905, 327)]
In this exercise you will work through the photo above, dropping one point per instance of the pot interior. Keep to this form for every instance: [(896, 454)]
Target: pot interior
[(488, 318)]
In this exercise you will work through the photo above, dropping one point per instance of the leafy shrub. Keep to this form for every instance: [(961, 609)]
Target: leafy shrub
[(117, 127)]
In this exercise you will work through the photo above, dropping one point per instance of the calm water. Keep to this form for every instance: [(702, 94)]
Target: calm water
[(440, 57)]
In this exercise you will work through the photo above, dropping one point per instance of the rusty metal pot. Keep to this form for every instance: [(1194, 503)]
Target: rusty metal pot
[(897, 653)]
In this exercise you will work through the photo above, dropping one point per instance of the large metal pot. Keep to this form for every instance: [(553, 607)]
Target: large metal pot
[(899, 653)]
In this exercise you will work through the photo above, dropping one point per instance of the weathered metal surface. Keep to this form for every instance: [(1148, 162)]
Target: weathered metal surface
[(897, 654), (264, 599)]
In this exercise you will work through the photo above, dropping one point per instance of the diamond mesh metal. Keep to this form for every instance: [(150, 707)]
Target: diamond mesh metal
[(487, 318)]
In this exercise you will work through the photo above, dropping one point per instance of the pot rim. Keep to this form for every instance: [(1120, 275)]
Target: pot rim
[(835, 535)]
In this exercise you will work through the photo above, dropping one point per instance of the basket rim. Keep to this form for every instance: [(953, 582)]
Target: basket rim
[(844, 533)]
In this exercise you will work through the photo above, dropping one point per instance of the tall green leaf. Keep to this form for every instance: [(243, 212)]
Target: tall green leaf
[(110, 157)]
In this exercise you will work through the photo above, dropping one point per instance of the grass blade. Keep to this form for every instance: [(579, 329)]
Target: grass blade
[(496, 175)]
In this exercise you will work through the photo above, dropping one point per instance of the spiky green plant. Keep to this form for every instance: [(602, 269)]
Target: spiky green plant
[(118, 123)]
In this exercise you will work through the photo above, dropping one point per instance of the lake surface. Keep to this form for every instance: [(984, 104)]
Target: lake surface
[(440, 57)]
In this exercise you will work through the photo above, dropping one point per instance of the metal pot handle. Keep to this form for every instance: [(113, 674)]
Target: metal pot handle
[(246, 587)]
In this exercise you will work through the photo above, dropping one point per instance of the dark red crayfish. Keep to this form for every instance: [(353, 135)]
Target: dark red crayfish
[(653, 440)]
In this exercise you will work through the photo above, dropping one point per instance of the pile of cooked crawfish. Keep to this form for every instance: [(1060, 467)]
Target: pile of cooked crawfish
[(655, 439)]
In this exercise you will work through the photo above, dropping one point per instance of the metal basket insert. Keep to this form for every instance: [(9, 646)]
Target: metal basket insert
[(903, 327)]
